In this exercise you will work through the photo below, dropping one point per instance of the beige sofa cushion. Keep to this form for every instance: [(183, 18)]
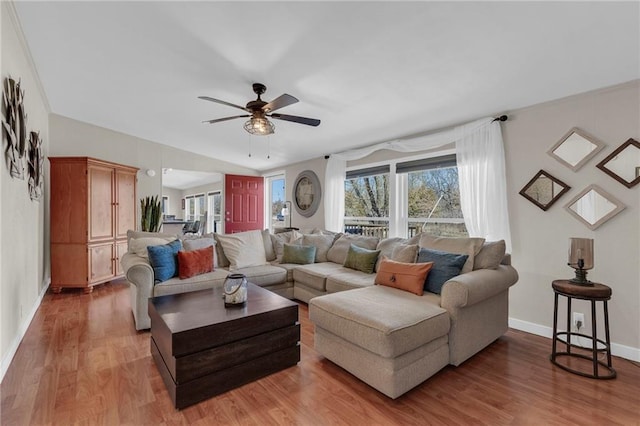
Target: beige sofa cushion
[(348, 279), (321, 242), (139, 245), (490, 255), (386, 246), (315, 274), (281, 238), (200, 243), (338, 251), (468, 246), (269, 252), (264, 275), (243, 249), (386, 321)]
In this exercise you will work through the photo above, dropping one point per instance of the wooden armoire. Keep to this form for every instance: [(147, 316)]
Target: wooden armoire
[(93, 204)]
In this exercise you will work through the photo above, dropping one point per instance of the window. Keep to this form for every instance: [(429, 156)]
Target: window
[(165, 205), (194, 207), (404, 198), (433, 197), (275, 201), (366, 203), (214, 212)]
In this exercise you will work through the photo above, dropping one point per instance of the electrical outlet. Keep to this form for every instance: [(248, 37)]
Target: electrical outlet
[(578, 320)]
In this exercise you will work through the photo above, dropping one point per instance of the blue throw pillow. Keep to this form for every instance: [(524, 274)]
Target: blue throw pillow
[(164, 260), (445, 266)]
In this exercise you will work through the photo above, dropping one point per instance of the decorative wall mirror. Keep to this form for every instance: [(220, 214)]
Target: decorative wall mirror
[(623, 164), (544, 190), (594, 206), (575, 149)]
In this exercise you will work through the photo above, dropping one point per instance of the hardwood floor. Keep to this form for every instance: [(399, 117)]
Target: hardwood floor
[(82, 362)]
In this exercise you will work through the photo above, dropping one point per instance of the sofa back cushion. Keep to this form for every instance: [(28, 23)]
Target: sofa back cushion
[(445, 266), (406, 253), (243, 249), (469, 246), (281, 238), (404, 276), (269, 252), (139, 245), (321, 242), (200, 243), (386, 246), (490, 255), (338, 251)]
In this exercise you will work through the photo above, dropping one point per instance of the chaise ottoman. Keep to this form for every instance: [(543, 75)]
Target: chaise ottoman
[(390, 339)]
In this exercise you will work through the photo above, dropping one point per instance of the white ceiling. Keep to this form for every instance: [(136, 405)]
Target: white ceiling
[(371, 71)]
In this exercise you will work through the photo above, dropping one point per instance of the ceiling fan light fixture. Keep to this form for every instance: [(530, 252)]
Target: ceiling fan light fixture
[(259, 126)]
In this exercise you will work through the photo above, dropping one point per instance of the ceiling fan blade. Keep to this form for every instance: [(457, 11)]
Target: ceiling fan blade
[(302, 120), (217, 120), (218, 101), (279, 102)]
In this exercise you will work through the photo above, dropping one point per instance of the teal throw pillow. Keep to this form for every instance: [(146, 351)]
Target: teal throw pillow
[(361, 259), (445, 266), (302, 255), (164, 260)]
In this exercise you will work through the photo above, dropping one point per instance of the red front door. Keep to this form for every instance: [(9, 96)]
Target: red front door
[(243, 203)]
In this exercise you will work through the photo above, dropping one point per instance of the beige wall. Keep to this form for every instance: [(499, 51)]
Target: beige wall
[(175, 201), (75, 138), (24, 258), (291, 172), (540, 239)]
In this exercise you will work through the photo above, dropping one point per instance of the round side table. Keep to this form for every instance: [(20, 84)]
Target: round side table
[(593, 293)]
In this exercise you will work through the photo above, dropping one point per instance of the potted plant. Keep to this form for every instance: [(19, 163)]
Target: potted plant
[(151, 213)]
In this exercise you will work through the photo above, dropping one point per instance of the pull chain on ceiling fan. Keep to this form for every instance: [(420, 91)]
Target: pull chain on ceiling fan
[(260, 112)]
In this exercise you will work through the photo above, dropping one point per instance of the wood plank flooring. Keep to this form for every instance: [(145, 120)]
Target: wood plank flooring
[(82, 362)]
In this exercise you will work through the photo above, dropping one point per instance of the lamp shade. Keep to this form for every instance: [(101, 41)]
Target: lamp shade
[(581, 248)]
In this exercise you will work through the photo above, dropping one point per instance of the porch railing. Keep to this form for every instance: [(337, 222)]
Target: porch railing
[(379, 226)]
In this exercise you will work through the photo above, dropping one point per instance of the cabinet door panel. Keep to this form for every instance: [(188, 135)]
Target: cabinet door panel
[(121, 249), (125, 202), (101, 203), (101, 261)]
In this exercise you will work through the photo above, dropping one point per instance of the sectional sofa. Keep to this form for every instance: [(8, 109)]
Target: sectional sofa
[(387, 337)]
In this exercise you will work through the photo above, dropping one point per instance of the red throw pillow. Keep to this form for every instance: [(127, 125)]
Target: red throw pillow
[(195, 262), (404, 276)]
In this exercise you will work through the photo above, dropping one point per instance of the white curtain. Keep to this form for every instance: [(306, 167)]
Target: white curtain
[(337, 163), (483, 181)]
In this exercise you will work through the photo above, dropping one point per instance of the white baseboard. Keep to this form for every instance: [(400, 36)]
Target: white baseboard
[(13, 348), (622, 351)]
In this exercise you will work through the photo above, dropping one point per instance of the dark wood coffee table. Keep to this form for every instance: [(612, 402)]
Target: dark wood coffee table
[(203, 349)]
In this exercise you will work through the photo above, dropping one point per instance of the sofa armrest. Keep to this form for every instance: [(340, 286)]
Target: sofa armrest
[(476, 286), (138, 272)]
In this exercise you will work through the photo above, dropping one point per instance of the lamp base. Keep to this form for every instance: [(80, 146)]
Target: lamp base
[(581, 278)]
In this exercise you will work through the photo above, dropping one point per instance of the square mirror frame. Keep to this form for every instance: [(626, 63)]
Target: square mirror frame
[(555, 198), (618, 206), (599, 146), (603, 164)]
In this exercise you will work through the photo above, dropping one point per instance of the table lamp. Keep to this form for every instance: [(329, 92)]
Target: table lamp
[(581, 259)]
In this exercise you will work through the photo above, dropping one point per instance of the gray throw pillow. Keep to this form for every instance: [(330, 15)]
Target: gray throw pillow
[(269, 252), (386, 247), (301, 255), (445, 266), (405, 253), (361, 259)]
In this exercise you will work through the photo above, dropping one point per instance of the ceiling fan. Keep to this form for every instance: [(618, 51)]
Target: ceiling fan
[(260, 112)]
